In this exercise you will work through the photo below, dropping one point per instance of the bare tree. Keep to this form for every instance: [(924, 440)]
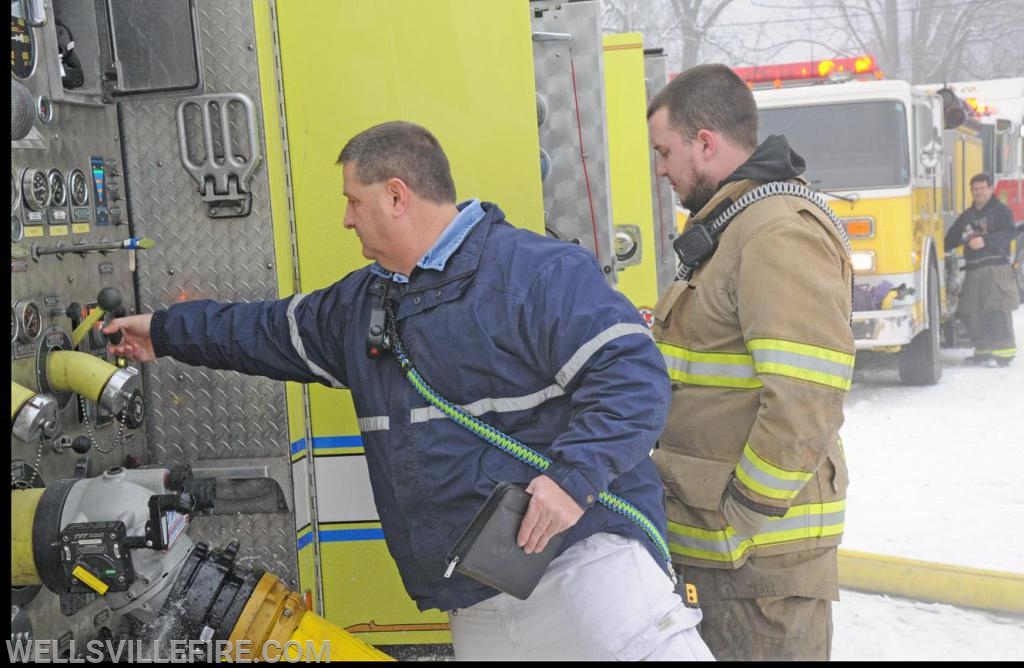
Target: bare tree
[(650, 17), (922, 41), (679, 26), (695, 19)]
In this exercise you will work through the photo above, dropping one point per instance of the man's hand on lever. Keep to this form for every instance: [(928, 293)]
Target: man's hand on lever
[(135, 343)]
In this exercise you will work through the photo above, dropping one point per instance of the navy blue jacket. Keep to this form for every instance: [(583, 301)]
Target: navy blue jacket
[(521, 330), (994, 221)]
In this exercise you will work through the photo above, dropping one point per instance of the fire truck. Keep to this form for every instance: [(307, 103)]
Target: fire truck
[(894, 162), (166, 150)]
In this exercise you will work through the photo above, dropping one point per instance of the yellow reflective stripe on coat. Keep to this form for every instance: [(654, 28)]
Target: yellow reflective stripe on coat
[(734, 370), (768, 479), (803, 522), (803, 362), (1005, 353)]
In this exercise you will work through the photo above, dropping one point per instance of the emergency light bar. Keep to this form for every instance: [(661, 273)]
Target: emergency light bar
[(979, 108), (809, 71)]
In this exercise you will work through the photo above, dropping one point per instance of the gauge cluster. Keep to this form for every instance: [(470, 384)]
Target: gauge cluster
[(66, 200)]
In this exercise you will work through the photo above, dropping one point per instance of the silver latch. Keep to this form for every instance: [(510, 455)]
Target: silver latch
[(219, 159)]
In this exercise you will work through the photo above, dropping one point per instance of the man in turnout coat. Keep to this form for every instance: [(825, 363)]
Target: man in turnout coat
[(760, 352)]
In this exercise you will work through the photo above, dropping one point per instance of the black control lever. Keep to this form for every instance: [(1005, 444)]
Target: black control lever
[(109, 300)]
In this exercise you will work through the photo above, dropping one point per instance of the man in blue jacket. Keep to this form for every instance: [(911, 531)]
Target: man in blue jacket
[(520, 331)]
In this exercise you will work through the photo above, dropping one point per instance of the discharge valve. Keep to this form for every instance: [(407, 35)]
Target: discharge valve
[(33, 416)]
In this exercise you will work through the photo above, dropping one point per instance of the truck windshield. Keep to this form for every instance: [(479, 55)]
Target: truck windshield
[(846, 145)]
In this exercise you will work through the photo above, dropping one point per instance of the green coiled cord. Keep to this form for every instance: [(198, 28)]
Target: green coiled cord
[(520, 451)]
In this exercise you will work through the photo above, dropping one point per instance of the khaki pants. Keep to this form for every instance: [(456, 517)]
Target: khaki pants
[(989, 297), (770, 609)]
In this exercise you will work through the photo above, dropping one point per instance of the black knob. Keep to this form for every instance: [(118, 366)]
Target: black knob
[(74, 311), (109, 298), (81, 444), (116, 312)]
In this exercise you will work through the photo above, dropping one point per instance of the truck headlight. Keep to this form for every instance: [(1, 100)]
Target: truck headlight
[(863, 260)]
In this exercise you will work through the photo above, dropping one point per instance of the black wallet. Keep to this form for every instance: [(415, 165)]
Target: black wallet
[(488, 552)]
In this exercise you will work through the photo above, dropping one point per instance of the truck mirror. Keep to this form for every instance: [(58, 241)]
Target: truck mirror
[(929, 156)]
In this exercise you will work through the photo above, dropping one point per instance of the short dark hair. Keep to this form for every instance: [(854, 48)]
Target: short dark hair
[(978, 178), (399, 149), (710, 97)]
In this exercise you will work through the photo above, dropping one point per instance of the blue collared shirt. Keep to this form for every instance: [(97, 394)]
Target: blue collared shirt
[(470, 213)]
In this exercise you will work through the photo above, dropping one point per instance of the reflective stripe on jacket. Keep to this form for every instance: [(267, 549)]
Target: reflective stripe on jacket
[(760, 353), (520, 330)]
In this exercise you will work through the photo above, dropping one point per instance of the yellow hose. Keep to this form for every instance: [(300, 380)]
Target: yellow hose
[(19, 395), (23, 513), (927, 581), (70, 370)]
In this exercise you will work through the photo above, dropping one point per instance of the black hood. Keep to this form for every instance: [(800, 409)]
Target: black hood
[(772, 160)]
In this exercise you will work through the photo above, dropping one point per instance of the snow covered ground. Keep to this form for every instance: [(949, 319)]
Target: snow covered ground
[(936, 475)]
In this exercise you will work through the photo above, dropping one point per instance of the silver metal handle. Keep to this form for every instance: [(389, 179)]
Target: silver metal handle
[(552, 37)]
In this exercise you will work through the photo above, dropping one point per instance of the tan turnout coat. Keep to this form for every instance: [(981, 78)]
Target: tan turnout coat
[(760, 351)]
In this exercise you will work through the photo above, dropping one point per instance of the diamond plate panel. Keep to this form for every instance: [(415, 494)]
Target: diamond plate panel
[(196, 414), (570, 79)]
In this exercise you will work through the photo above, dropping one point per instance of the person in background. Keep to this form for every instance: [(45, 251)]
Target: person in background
[(990, 294), (758, 344), (523, 332)]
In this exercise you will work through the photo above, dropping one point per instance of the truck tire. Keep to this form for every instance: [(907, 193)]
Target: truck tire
[(920, 360)]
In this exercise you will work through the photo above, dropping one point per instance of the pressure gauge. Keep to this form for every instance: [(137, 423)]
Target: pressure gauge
[(58, 190), (36, 189), (28, 320), (79, 187), (15, 192), (17, 228)]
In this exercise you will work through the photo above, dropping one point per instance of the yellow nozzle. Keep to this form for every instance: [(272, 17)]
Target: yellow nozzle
[(275, 621)]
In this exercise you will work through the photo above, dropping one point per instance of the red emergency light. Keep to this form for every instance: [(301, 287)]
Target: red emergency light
[(809, 70)]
